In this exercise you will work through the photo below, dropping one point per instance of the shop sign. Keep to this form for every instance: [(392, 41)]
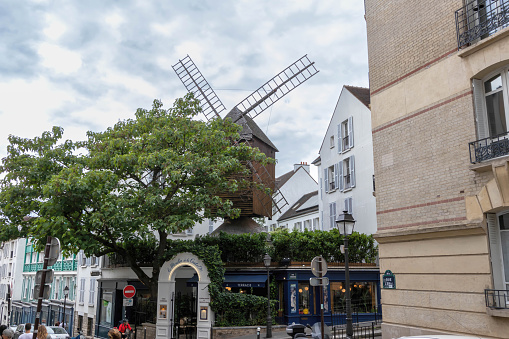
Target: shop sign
[(293, 276), (128, 302), (389, 280)]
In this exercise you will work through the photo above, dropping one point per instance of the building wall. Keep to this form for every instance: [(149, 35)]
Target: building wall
[(362, 193), (431, 209)]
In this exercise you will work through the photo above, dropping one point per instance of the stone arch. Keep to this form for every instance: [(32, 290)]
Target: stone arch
[(166, 288)]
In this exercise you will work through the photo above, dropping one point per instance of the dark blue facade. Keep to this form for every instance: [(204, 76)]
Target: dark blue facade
[(300, 302)]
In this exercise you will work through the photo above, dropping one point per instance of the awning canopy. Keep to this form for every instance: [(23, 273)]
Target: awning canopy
[(237, 280), (245, 280)]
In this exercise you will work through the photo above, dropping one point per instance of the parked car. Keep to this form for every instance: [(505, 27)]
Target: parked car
[(58, 332), (440, 336), (20, 329)]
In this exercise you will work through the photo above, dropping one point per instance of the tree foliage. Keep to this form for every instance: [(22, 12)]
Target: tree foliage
[(127, 187)]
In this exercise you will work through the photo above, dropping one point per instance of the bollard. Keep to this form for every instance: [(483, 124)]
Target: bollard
[(144, 333), (258, 333)]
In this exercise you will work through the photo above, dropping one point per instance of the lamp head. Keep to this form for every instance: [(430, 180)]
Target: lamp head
[(345, 223), (266, 260)]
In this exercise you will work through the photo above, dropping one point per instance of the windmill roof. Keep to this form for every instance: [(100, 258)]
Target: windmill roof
[(307, 203), (361, 93), (249, 127)]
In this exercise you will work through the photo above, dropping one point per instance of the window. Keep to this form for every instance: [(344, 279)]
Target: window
[(332, 142), (348, 205), (330, 177), (93, 260), (83, 259), (363, 297), (297, 226), (345, 135), (189, 231), (211, 226), (332, 215), (91, 295), (491, 104), (304, 303), (273, 227), (82, 290), (307, 224), (315, 224), (347, 173)]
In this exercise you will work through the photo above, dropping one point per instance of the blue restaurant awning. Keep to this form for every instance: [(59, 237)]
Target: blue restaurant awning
[(245, 280)]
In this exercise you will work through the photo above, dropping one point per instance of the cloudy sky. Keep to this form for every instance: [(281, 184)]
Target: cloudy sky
[(84, 65)]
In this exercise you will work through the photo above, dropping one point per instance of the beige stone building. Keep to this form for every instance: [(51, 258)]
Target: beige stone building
[(440, 111)]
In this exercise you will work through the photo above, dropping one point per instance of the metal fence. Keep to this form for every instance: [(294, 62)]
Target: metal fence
[(359, 331), (489, 148), (479, 19), (497, 299)]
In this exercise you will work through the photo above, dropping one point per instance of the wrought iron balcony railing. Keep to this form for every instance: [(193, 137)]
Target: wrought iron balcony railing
[(479, 19), (497, 299), (489, 148)]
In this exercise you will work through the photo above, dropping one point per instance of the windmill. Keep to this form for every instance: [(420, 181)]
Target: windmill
[(252, 203)]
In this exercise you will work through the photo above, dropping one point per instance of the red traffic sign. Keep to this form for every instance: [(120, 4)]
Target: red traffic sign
[(129, 291)]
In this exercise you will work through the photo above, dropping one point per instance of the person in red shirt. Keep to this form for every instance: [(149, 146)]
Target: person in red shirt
[(125, 329)]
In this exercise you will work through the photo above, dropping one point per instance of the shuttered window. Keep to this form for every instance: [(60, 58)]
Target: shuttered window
[(332, 215)]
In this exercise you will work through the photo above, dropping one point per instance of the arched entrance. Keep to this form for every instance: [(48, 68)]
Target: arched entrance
[(183, 299)]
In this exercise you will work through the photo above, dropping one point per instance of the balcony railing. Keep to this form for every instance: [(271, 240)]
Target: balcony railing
[(489, 148), (479, 19), (497, 299)]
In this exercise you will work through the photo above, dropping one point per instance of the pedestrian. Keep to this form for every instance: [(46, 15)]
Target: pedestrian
[(7, 333), (125, 329), (114, 334), (42, 332), (57, 323), (27, 334), (2, 328)]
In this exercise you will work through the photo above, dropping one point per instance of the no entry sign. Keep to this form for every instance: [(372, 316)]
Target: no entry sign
[(129, 291)]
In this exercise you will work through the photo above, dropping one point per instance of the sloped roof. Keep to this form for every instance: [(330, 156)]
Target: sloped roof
[(307, 203), (361, 93), (281, 180), (249, 127), (317, 160), (238, 226)]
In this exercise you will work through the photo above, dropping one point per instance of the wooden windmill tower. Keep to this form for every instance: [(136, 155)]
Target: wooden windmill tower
[(253, 203)]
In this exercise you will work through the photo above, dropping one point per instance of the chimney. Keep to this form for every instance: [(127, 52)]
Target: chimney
[(302, 164)]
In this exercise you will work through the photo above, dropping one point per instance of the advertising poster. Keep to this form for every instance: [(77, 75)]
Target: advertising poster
[(293, 298)]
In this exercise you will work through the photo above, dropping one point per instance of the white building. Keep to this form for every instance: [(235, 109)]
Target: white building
[(293, 185), (303, 214), (11, 269), (88, 273), (345, 164)]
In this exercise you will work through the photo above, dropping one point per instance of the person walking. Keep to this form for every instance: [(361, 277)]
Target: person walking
[(7, 333), (42, 333), (27, 334)]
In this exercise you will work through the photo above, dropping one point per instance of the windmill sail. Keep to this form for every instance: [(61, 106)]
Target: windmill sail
[(195, 83), (277, 87)]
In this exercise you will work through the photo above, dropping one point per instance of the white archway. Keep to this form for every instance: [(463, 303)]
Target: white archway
[(166, 289)]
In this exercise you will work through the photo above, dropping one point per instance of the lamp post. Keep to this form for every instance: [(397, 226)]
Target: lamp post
[(66, 293), (266, 262), (346, 223)]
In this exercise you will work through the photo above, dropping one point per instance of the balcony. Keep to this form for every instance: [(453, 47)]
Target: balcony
[(497, 299), (489, 148), (62, 265), (480, 19)]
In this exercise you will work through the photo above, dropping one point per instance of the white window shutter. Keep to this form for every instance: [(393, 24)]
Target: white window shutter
[(336, 175), (340, 174), (352, 171), (346, 205), (350, 132), (333, 220), (480, 111), (321, 189), (321, 222), (340, 139), (326, 179), (331, 214), (350, 205), (495, 252)]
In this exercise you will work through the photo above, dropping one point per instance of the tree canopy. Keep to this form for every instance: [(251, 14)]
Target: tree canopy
[(129, 186)]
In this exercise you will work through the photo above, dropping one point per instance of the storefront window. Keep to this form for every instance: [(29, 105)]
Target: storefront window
[(304, 298), (363, 295), (106, 309)]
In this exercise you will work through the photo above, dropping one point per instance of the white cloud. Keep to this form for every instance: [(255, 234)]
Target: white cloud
[(59, 59)]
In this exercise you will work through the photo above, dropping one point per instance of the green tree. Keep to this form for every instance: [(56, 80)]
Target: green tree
[(124, 190)]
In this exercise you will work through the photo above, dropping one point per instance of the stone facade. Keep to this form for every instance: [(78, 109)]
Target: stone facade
[(432, 203)]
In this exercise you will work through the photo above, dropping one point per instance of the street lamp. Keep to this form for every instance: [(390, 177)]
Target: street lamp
[(346, 223), (66, 293), (266, 262)]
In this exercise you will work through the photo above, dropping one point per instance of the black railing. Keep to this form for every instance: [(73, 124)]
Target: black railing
[(497, 299), (489, 148), (359, 331), (479, 19)]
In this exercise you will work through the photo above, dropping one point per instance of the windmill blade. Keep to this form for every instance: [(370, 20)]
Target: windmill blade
[(195, 83), (277, 87)]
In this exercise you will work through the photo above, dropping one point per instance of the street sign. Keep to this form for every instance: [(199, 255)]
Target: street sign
[(319, 266), (129, 291), (54, 251), (319, 281), (389, 280), (49, 277), (128, 302), (47, 290)]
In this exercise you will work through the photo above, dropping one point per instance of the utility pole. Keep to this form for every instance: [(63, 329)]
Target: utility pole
[(41, 289)]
